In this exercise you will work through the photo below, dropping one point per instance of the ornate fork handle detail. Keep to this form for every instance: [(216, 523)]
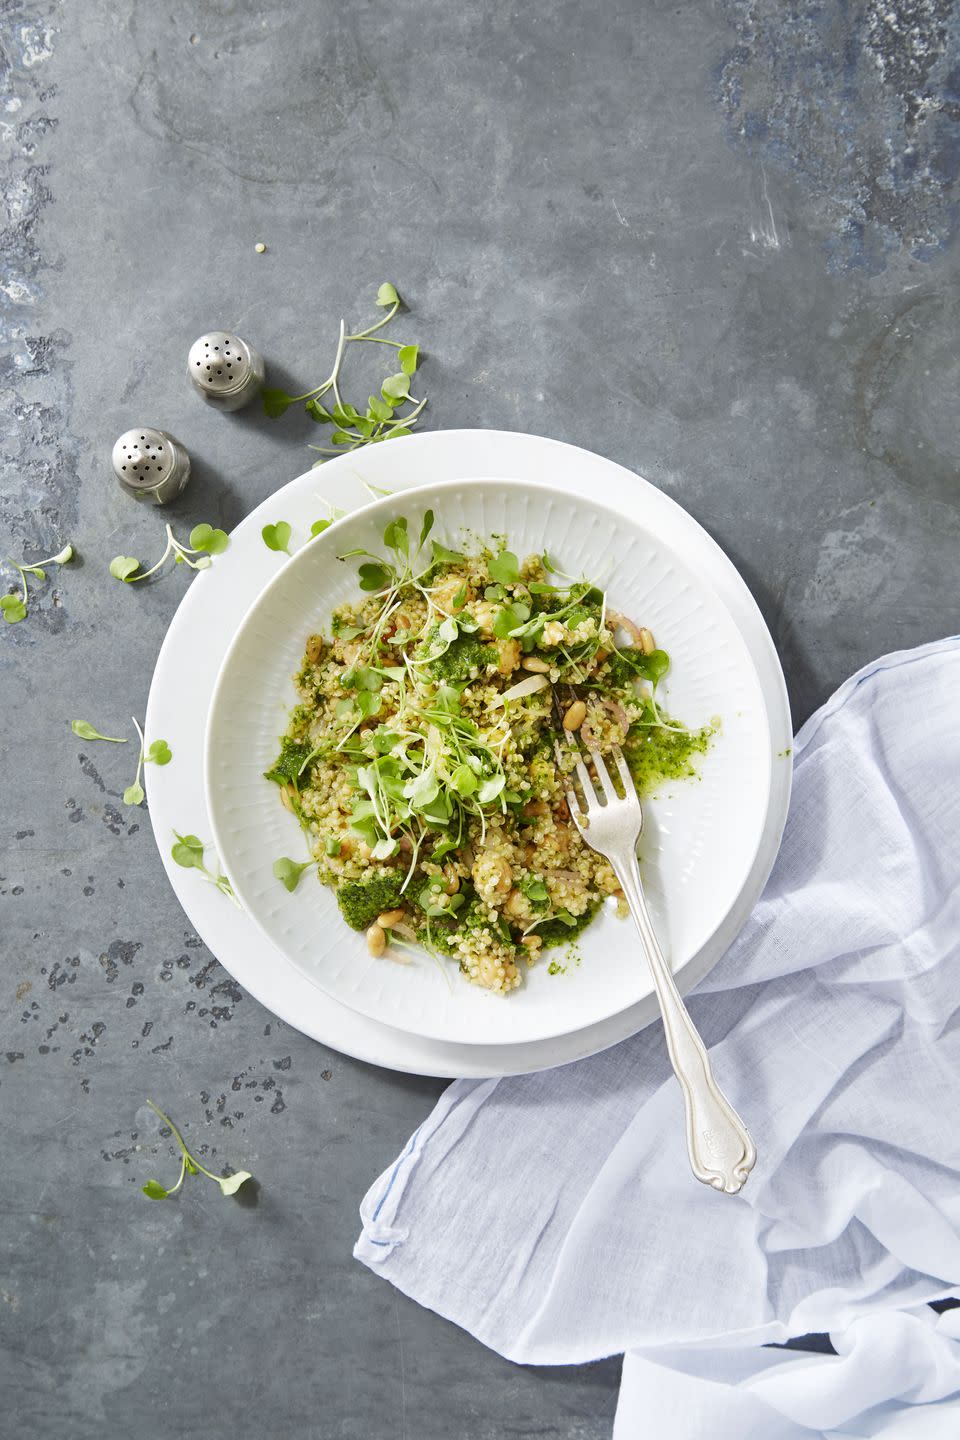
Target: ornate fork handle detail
[(721, 1151)]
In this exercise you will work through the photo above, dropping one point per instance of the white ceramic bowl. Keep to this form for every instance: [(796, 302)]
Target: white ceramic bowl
[(700, 837)]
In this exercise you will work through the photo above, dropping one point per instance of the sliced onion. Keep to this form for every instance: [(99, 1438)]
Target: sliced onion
[(618, 712), (621, 622), (528, 686)]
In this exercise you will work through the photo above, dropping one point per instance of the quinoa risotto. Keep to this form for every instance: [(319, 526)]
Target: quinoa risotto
[(422, 760)]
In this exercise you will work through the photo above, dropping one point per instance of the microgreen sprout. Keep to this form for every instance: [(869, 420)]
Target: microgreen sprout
[(188, 852), (384, 417), (159, 753), (190, 1165), (205, 541), (14, 606)]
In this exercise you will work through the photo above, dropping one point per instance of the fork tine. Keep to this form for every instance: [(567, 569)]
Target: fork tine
[(603, 775), (589, 790), (623, 769), (574, 804)]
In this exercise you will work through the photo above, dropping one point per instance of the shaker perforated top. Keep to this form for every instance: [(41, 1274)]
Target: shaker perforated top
[(224, 369)]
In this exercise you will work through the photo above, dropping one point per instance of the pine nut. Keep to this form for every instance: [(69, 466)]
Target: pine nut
[(535, 664), (376, 940), (314, 648), (286, 797), (453, 880), (575, 716), (532, 942), (389, 918), (647, 642)]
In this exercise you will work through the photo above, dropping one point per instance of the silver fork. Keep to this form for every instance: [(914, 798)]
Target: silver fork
[(721, 1151)]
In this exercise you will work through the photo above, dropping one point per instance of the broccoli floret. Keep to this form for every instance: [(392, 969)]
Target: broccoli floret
[(290, 761), (361, 901)]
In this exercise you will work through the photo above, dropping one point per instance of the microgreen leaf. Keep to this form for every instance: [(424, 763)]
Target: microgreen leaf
[(422, 789), (408, 356), (426, 527), (374, 577), (13, 609), (396, 387), (395, 536), (85, 730), (490, 789), (123, 566), (276, 402), (277, 537), (154, 1190), (378, 409), (205, 537), (230, 1184), (396, 433), (464, 780), (443, 556), (505, 568), (387, 295), (368, 704), (188, 851), (134, 794), (159, 753), (317, 413), (288, 871), (340, 437), (318, 526)]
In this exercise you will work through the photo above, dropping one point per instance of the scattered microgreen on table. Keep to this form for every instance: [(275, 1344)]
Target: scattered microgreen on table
[(387, 416), (86, 731), (205, 542), (159, 753), (14, 607), (190, 1165)]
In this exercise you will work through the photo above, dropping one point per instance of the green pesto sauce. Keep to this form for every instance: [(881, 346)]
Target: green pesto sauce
[(655, 755), (466, 654), (555, 932)]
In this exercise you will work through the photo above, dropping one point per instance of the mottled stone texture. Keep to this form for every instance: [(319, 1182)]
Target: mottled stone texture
[(714, 241)]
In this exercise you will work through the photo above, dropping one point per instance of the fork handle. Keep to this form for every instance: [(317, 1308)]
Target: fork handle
[(721, 1151)]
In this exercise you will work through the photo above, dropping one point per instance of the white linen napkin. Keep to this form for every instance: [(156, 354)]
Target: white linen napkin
[(554, 1215)]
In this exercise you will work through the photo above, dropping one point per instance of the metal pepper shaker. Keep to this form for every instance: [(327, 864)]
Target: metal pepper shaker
[(225, 370), (151, 464)]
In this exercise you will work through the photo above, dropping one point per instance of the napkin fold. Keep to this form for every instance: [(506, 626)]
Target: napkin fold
[(554, 1215)]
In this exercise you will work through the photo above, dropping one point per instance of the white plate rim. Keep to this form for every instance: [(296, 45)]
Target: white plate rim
[(173, 790), (384, 507)]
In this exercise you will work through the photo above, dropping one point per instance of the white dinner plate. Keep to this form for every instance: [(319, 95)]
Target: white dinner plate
[(201, 632), (700, 836)]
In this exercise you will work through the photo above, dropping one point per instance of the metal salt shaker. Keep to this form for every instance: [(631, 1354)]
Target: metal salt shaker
[(225, 370), (150, 464)]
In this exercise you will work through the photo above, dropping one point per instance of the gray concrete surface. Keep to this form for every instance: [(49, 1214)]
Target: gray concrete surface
[(714, 241)]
